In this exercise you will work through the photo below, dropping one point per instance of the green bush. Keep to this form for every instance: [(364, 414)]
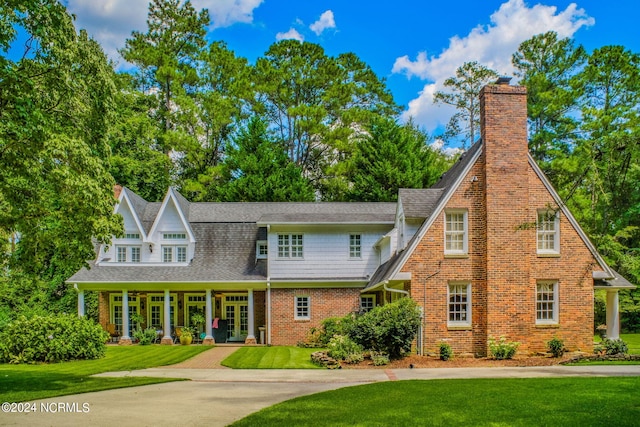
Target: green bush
[(334, 326), (146, 336), (379, 359), (341, 347), (614, 346), (502, 349), (51, 338), (389, 329), (556, 347), (445, 351)]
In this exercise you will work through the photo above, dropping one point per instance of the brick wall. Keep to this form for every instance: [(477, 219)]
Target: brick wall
[(324, 302), (502, 265)]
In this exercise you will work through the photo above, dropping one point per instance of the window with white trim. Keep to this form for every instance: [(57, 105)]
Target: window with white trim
[(133, 236), (367, 303), (548, 235), (262, 249), (302, 308), (355, 246), (127, 253), (290, 246), (459, 301), (455, 232), (174, 253), (174, 236), (546, 303)]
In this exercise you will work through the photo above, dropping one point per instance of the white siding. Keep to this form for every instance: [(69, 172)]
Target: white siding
[(326, 253)]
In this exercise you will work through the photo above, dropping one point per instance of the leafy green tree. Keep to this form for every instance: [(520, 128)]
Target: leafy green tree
[(56, 104), (315, 102), (257, 169), (548, 67), (463, 93), (391, 156)]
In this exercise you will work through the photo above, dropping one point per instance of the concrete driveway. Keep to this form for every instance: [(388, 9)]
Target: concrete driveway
[(217, 397)]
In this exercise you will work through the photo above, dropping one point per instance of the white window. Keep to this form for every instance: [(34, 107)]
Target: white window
[(302, 308), (455, 233), (367, 303), (355, 246), (547, 303), (459, 297), (262, 249), (174, 236), (174, 253), (548, 234), (290, 246), (127, 253), (133, 236)]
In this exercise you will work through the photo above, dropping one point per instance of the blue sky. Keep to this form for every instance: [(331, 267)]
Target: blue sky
[(414, 44)]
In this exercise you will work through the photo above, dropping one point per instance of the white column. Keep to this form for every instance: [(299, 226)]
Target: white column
[(208, 329), (125, 315), (251, 336), (80, 303), (613, 315), (166, 325)]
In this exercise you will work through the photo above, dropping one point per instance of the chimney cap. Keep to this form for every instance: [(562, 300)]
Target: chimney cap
[(503, 80)]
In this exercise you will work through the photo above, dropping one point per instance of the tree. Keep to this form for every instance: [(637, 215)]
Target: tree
[(548, 67), (56, 108), (464, 91), (391, 156), (257, 169), (315, 103)]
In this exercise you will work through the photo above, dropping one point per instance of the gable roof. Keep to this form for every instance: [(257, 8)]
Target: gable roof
[(418, 203), (136, 205), (181, 204)]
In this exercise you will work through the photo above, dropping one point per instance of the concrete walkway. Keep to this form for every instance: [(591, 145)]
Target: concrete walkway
[(217, 397)]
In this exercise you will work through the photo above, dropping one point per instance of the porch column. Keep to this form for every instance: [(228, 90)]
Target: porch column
[(613, 314), (166, 325), (80, 302), (125, 339), (251, 337), (208, 339)]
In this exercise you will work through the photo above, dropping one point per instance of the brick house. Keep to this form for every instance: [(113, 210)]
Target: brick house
[(490, 250)]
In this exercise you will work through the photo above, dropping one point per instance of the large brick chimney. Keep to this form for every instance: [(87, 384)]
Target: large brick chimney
[(503, 127)]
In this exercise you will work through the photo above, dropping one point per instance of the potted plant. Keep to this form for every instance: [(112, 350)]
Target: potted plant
[(197, 320), (137, 319), (602, 331), (186, 336)]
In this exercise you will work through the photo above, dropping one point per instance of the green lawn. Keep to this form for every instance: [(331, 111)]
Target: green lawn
[(277, 357), (481, 402), (633, 341), (20, 383)]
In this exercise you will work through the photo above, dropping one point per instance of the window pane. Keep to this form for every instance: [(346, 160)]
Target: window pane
[(355, 247), (296, 246), (302, 306), (122, 253), (135, 254), (181, 254), (545, 302), (458, 303), (167, 254), (283, 246)]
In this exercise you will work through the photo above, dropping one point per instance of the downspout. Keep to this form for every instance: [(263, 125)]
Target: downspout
[(424, 305), (268, 288)]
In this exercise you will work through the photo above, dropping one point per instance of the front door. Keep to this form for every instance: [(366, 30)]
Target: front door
[(237, 316)]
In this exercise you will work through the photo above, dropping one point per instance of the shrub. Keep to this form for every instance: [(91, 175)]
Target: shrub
[(334, 326), (502, 349), (389, 329), (614, 346), (341, 347), (146, 336), (52, 338), (556, 347), (445, 351), (379, 359)]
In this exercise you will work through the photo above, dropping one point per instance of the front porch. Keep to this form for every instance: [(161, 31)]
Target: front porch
[(215, 317)]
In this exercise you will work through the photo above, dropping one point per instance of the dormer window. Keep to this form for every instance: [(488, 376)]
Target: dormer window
[(174, 236), (127, 253), (132, 236), (174, 253), (262, 249)]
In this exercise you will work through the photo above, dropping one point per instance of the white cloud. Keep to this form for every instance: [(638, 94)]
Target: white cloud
[(225, 13), (491, 45), (325, 22), (438, 145), (111, 22), (291, 34)]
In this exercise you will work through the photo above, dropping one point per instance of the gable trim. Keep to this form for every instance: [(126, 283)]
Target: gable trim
[(570, 217), (436, 214), (172, 196)]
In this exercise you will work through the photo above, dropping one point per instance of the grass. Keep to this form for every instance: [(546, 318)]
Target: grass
[(633, 342), (479, 402), (20, 383), (278, 357)]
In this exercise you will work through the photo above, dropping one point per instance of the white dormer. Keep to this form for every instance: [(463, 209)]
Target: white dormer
[(128, 248)]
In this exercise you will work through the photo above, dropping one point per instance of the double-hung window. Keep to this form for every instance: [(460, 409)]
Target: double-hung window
[(290, 246), (459, 301), (302, 308), (367, 303), (355, 246), (455, 232), (174, 253), (546, 303), (548, 232), (127, 253)]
